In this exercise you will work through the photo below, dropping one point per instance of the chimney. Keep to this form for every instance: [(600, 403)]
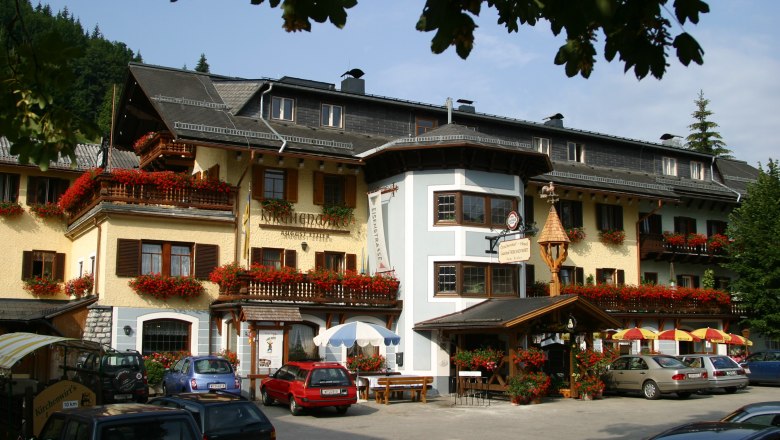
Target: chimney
[(466, 106), (353, 85), (555, 120)]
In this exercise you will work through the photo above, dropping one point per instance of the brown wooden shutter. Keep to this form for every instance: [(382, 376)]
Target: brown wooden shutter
[(59, 267), (291, 185), (695, 281), (599, 276), (206, 259), (621, 277), (579, 275), (599, 223), (290, 258), (258, 177), (256, 255), (319, 260), (351, 262), (128, 257), (32, 186), (319, 188), (350, 191), (27, 264), (213, 172), (530, 275)]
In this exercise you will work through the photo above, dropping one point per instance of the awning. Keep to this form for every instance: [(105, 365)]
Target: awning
[(15, 346), (265, 313)]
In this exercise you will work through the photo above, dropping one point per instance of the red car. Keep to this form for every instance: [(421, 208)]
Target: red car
[(310, 385)]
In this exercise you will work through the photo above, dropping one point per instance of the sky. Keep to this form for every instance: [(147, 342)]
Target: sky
[(509, 75)]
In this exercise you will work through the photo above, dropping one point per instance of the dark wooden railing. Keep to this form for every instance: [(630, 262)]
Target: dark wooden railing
[(110, 190), (654, 246), (162, 145), (307, 291), (665, 306)]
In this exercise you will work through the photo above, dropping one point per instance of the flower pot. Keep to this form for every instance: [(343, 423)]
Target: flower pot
[(565, 392)]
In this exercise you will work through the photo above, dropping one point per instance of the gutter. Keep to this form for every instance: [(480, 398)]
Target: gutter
[(712, 178), (262, 108)]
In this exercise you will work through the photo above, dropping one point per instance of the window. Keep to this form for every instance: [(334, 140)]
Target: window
[(231, 336), (461, 208), (610, 276), (274, 257), (135, 257), (576, 152), (571, 275), (335, 189), (716, 227), (541, 145), (335, 261), (476, 279), (722, 283), (528, 210), (669, 166), (42, 190), (331, 115), (40, 263), (688, 281), (650, 278), (650, 224), (685, 225), (570, 213), (275, 183), (609, 217), (423, 125), (165, 335), (282, 108), (697, 170), (300, 343), (9, 187)]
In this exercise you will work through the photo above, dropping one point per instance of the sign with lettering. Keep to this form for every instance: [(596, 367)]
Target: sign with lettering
[(514, 251), (376, 226), (60, 395)]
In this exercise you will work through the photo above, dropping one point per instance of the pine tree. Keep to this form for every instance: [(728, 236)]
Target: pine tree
[(703, 138), (203, 65)]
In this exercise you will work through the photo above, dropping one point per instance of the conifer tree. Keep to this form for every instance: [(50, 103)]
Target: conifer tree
[(203, 65), (703, 138)]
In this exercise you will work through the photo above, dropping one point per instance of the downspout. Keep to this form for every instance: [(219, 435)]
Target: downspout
[(639, 240), (96, 270), (262, 95), (712, 178)]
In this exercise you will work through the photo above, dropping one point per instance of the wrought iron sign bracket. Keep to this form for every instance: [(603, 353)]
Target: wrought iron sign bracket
[(494, 239)]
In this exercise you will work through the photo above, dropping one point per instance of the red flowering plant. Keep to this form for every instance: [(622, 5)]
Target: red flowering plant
[(277, 207), (717, 242), (576, 235), (10, 209), (273, 275), (141, 142), (80, 286), (531, 359), (590, 366), (325, 279), (480, 358), (47, 210), (166, 180), (231, 357), (588, 387), (356, 281), (227, 276), (612, 236), (649, 295), (157, 362), (384, 282), (337, 215), (164, 287), (674, 238), (696, 239), (81, 189), (528, 386), (42, 286), (365, 363)]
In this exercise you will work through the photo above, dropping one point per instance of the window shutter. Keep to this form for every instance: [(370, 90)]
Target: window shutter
[(128, 257), (59, 267), (319, 260), (577, 214), (695, 281), (621, 277), (617, 212), (32, 185), (62, 186), (258, 176), (319, 188), (528, 207), (206, 259), (530, 275), (352, 262), (579, 275), (27, 264), (350, 191), (14, 178), (599, 217), (679, 280), (599, 276), (678, 225), (290, 258), (256, 255), (213, 172), (291, 185)]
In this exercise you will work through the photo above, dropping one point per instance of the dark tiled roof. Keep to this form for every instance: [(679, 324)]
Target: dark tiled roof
[(87, 156), (263, 313), (32, 309), (737, 174), (237, 93), (455, 133), (570, 175)]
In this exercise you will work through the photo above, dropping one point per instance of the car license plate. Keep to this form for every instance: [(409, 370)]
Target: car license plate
[(694, 375), (123, 396), (217, 386), (330, 392), (731, 373)]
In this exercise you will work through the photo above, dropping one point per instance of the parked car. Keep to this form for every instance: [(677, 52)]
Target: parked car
[(722, 371), (121, 374), (760, 413), (654, 375), (763, 366), (310, 385), (199, 374), (120, 421), (721, 431), (222, 415)]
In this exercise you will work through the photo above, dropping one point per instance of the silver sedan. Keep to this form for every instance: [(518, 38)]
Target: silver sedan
[(653, 375)]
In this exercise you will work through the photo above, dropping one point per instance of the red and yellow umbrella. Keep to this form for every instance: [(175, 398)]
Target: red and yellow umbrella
[(739, 340), (677, 335), (712, 335), (635, 333)]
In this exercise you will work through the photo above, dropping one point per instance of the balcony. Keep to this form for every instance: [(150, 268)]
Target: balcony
[(160, 152), (653, 306), (654, 247), (308, 292)]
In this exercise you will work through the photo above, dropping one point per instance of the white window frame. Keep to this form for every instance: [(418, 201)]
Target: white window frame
[(669, 166), (279, 102), (575, 152), (330, 122), (697, 170), (541, 145)]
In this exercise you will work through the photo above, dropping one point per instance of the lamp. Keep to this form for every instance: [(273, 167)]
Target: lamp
[(238, 155), (128, 330), (304, 245), (322, 164), (571, 324), (300, 163)]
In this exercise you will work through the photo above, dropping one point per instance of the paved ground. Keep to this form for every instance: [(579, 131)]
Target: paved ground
[(614, 417)]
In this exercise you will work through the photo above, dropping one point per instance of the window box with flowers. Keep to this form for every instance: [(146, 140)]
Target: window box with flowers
[(10, 209), (696, 240), (612, 236), (366, 363), (277, 207), (81, 190), (47, 211), (674, 238), (156, 364), (487, 359), (141, 143), (81, 286), (163, 287), (273, 275), (716, 243), (42, 286), (227, 276), (325, 279), (337, 215), (576, 235)]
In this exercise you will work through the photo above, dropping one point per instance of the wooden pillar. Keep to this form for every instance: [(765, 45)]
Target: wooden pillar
[(512, 352)]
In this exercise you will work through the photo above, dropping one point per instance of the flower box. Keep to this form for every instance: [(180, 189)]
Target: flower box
[(80, 286), (10, 209), (674, 239), (612, 236), (576, 235), (47, 211), (42, 286), (164, 287)]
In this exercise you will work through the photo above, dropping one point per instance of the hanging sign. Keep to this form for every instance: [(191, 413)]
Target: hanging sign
[(376, 231), (514, 251), (512, 220)]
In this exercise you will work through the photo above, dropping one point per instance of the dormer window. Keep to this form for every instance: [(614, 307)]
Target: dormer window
[(332, 116), (282, 108), (576, 152), (424, 125), (669, 166), (697, 170), (542, 145)]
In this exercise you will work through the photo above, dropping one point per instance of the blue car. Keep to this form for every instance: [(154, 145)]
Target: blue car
[(763, 367), (200, 374)]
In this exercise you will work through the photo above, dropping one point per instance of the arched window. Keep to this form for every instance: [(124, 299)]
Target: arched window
[(300, 343), (165, 335)]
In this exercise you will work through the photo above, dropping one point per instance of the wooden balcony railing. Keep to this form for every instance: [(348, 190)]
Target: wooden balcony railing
[(653, 246), (110, 190), (307, 292), (162, 147), (686, 306)]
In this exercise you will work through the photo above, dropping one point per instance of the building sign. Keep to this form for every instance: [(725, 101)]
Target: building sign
[(270, 345), (512, 220), (376, 230), (514, 251), (306, 220), (60, 395)]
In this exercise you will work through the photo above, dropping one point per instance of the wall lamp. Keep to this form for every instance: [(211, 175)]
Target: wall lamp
[(128, 330), (304, 245), (571, 324), (238, 156)]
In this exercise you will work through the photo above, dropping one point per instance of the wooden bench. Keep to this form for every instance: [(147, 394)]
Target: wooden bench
[(416, 385)]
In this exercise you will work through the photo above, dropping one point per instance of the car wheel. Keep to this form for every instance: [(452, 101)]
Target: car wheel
[(267, 400), (650, 390), (683, 395), (342, 409), (730, 390), (295, 409)]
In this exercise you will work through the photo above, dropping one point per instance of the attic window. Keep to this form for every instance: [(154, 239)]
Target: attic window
[(282, 108)]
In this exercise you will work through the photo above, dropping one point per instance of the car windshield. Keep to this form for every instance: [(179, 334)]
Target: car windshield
[(234, 416), (213, 366), (323, 377), (668, 362)]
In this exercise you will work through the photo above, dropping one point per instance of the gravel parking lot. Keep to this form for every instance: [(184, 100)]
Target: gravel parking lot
[(613, 417)]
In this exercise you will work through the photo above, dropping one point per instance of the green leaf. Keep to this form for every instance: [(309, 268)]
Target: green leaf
[(688, 49)]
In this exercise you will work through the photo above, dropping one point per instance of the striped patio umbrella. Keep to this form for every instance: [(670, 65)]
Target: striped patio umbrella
[(712, 335), (739, 340), (635, 333), (676, 334)]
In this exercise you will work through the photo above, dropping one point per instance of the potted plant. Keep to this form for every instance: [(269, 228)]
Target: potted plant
[(273, 275), (365, 363), (337, 215), (80, 286), (42, 286), (231, 357), (674, 238), (10, 209), (612, 236), (164, 287), (717, 242), (325, 279), (527, 387), (696, 240), (576, 235), (47, 210), (487, 359), (277, 207), (227, 276)]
